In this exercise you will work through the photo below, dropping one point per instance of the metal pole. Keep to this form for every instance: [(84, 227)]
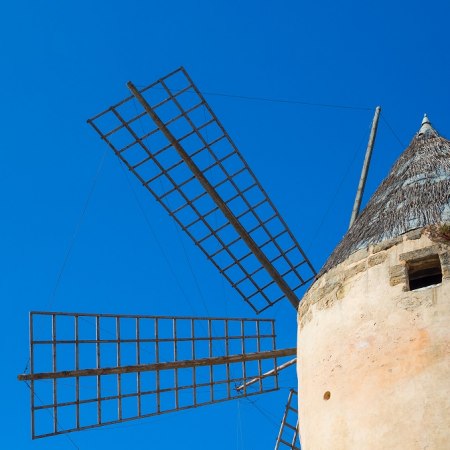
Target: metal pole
[(365, 169), (159, 366), (262, 258)]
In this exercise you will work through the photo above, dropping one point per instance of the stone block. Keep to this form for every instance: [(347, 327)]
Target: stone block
[(387, 244), (358, 268), (397, 274), (358, 256), (376, 259), (420, 253), (414, 234)]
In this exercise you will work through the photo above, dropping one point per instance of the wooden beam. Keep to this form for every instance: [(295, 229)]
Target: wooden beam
[(159, 366), (262, 258), (267, 374), (365, 169)]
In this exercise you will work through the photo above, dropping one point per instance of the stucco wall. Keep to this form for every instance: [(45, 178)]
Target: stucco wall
[(380, 352)]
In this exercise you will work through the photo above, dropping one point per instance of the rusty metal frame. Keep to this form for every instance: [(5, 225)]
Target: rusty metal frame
[(288, 436), (177, 159), (206, 359)]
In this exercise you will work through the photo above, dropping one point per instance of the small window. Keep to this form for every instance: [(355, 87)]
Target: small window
[(424, 272)]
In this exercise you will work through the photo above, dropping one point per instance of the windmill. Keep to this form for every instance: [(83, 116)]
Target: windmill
[(373, 327), (115, 367)]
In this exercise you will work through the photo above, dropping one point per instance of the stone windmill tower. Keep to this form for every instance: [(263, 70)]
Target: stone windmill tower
[(373, 331)]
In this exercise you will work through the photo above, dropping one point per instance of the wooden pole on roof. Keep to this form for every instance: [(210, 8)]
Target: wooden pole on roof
[(365, 169)]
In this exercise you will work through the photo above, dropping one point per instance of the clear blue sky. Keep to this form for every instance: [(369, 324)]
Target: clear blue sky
[(62, 62)]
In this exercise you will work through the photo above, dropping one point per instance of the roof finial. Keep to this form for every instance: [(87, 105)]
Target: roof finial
[(426, 125)]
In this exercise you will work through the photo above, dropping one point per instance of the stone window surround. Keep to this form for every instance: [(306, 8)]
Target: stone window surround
[(399, 273)]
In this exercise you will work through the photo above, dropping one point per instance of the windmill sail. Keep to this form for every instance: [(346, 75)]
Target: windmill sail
[(91, 370), (288, 436), (171, 140)]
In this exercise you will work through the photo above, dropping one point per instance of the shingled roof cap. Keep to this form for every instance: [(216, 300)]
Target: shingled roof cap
[(415, 194)]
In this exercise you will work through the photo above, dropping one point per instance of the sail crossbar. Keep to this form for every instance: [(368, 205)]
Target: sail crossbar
[(168, 366)]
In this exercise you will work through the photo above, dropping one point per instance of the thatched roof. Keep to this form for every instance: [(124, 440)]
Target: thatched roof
[(416, 193)]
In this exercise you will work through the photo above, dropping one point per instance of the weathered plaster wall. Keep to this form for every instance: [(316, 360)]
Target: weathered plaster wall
[(380, 352)]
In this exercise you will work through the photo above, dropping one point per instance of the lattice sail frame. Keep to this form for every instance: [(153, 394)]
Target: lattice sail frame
[(171, 140), (80, 364), (288, 436)]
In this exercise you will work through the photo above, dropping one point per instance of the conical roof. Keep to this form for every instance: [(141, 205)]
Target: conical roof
[(416, 193)]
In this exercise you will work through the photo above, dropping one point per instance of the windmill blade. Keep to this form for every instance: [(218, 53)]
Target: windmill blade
[(288, 436), (171, 140), (91, 370)]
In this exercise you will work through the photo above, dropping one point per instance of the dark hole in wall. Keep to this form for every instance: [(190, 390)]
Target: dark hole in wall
[(424, 272)]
